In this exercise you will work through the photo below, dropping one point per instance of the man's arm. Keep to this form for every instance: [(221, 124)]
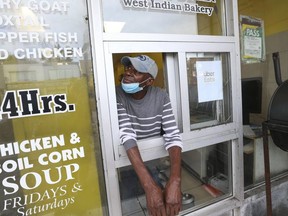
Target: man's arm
[(173, 143), (173, 194), (127, 133), (154, 194)]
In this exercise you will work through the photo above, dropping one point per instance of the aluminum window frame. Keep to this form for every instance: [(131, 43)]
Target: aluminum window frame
[(229, 130)]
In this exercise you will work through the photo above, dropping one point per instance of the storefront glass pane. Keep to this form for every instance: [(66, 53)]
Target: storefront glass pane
[(209, 87), (162, 16), (254, 170), (206, 178), (51, 161)]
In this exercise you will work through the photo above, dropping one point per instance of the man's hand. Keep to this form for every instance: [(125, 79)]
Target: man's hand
[(154, 194), (173, 197), (157, 204), (155, 201)]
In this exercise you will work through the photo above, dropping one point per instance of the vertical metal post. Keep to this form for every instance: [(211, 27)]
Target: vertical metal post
[(267, 169)]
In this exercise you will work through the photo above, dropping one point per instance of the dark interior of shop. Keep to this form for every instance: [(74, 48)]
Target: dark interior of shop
[(251, 97)]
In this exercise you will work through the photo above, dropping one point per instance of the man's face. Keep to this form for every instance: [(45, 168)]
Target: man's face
[(131, 75)]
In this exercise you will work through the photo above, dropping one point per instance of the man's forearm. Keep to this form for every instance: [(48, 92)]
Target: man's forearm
[(175, 163), (173, 195), (139, 167), (154, 195)]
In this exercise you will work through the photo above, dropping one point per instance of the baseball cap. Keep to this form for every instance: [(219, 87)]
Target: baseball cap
[(141, 63)]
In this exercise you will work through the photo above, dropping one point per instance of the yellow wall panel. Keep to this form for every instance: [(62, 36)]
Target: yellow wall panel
[(85, 201), (273, 12)]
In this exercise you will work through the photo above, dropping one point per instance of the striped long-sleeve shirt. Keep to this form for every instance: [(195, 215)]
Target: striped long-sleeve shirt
[(147, 117)]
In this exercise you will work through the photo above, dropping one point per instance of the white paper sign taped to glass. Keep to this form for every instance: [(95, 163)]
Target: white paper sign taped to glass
[(209, 81)]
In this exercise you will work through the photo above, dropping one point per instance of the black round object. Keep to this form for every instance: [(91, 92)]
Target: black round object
[(278, 114)]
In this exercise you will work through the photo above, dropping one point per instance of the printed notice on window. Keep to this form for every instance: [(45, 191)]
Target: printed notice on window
[(253, 47), (209, 81), (252, 40)]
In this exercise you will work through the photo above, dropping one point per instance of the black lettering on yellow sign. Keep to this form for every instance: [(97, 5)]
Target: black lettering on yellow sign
[(29, 102)]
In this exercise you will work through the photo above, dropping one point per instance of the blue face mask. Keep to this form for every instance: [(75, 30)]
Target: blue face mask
[(132, 88)]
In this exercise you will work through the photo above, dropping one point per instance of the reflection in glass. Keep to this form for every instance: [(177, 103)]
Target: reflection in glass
[(209, 89), (167, 17), (206, 178)]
